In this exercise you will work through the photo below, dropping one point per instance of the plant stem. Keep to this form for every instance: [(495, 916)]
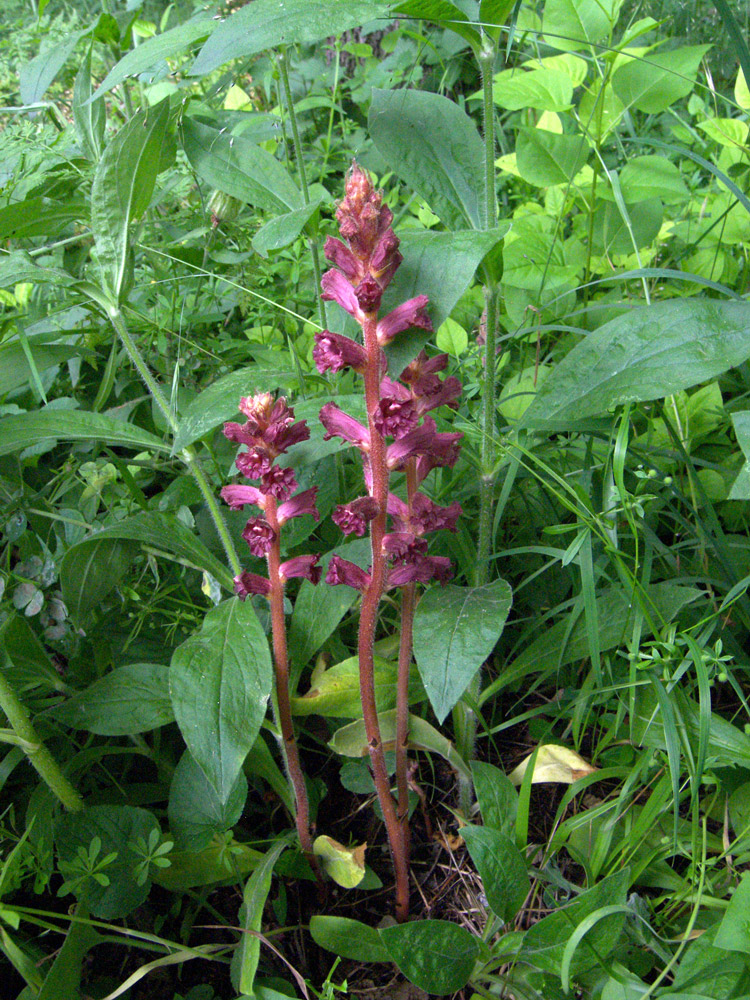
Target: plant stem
[(37, 753), (188, 454), (315, 256), (281, 670), (397, 837), (406, 642)]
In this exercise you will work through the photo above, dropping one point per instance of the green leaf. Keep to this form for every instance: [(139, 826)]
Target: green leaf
[(122, 188), (89, 119), (268, 24), (348, 938), (440, 266), (318, 610), (655, 83), (351, 740), (17, 267), (619, 229), (733, 933), (615, 608), (40, 217), (64, 977), (455, 630), (444, 13), (154, 50), (284, 229), (15, 369), (644, 354), (216, 863), (544, 944), (541, 88), (432, 145), (247, 953), (546, 158), (35, 76), (220, 681), (576, 24), (344, 865), (501, 867), (128, 700), (497, 798), (645, 177), (335, 691), (118, 828), (741, 486), (20, 431), (238, 167), (196, 814), (435, 955)]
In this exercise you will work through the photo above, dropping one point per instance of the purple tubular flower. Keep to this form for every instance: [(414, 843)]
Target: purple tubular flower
[(369, 293), (340, 424), (333, 352), (385, 259), (427, 516), (254, 463), (303, 503), (278, 482), (301, 566), (408, 314), (400, 545), (430, 392), (422, 365), (352, 517), (421, 569), (416, 442), (259, 535), (342, 571), (337, 289), (281, 437), (341, 256), (395, 417), (250, 583), (442, 452), (237, 495)]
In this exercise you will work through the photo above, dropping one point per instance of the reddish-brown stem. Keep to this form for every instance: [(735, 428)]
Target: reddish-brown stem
[(368, 621), (408, 601), (281, 669)]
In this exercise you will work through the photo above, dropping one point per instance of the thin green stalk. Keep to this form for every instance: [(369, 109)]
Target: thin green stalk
[(188, 454), (283, 69), (38, 755)]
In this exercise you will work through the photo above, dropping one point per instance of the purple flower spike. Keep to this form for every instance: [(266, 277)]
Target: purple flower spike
[(237, 495), (253, 463), (340, 424), (369, 293), (301, 566), (443, 451), (342, 571), (333, 352), (395, 417), (341, 256), (385, 258), (278, 482), (303, 503), (353, 517), (416, 442), (259, 535), (250, 583), (337, 289), (400, 545), (427, 516), (421, 569), (408, 314)]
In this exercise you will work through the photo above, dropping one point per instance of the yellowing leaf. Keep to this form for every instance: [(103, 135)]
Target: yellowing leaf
[(553, 763), (238, 100), (742, 92), (345, 865)]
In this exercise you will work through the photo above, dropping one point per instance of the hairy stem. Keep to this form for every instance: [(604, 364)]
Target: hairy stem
[(37, 753), (406, 642), (368, 621)]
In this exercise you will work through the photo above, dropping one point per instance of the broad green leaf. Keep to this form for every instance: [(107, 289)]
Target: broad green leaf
[(440, 266), (128, 700), (351, 740), (614, 233), (216, 863), (267, 24), (247, 953), (17, 267), (157, 48), (455, 630), (742, 92), (284, 229), (435, 955), (576, 24), (318, 610), (40, 217), (614, 611), (656, 82), (544, 943), (93, 566), (15, 371), (117, 828), (28, 665), (23, 430), (36, 75), (348, 938), (501, 867), (443, 12), (741, 486), (451, 338), (89, 119), (574, 67), (432, 145), (645, 177), (541, 88), (335, 691), (196, 814), (706, 970), (532, 261), (497, 798), (725, 131), (121, 191), (220, 681), (64, 977), (344, 865), (644, 354), (733, 933), (219, 402), (545, 158), (238, 167)]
